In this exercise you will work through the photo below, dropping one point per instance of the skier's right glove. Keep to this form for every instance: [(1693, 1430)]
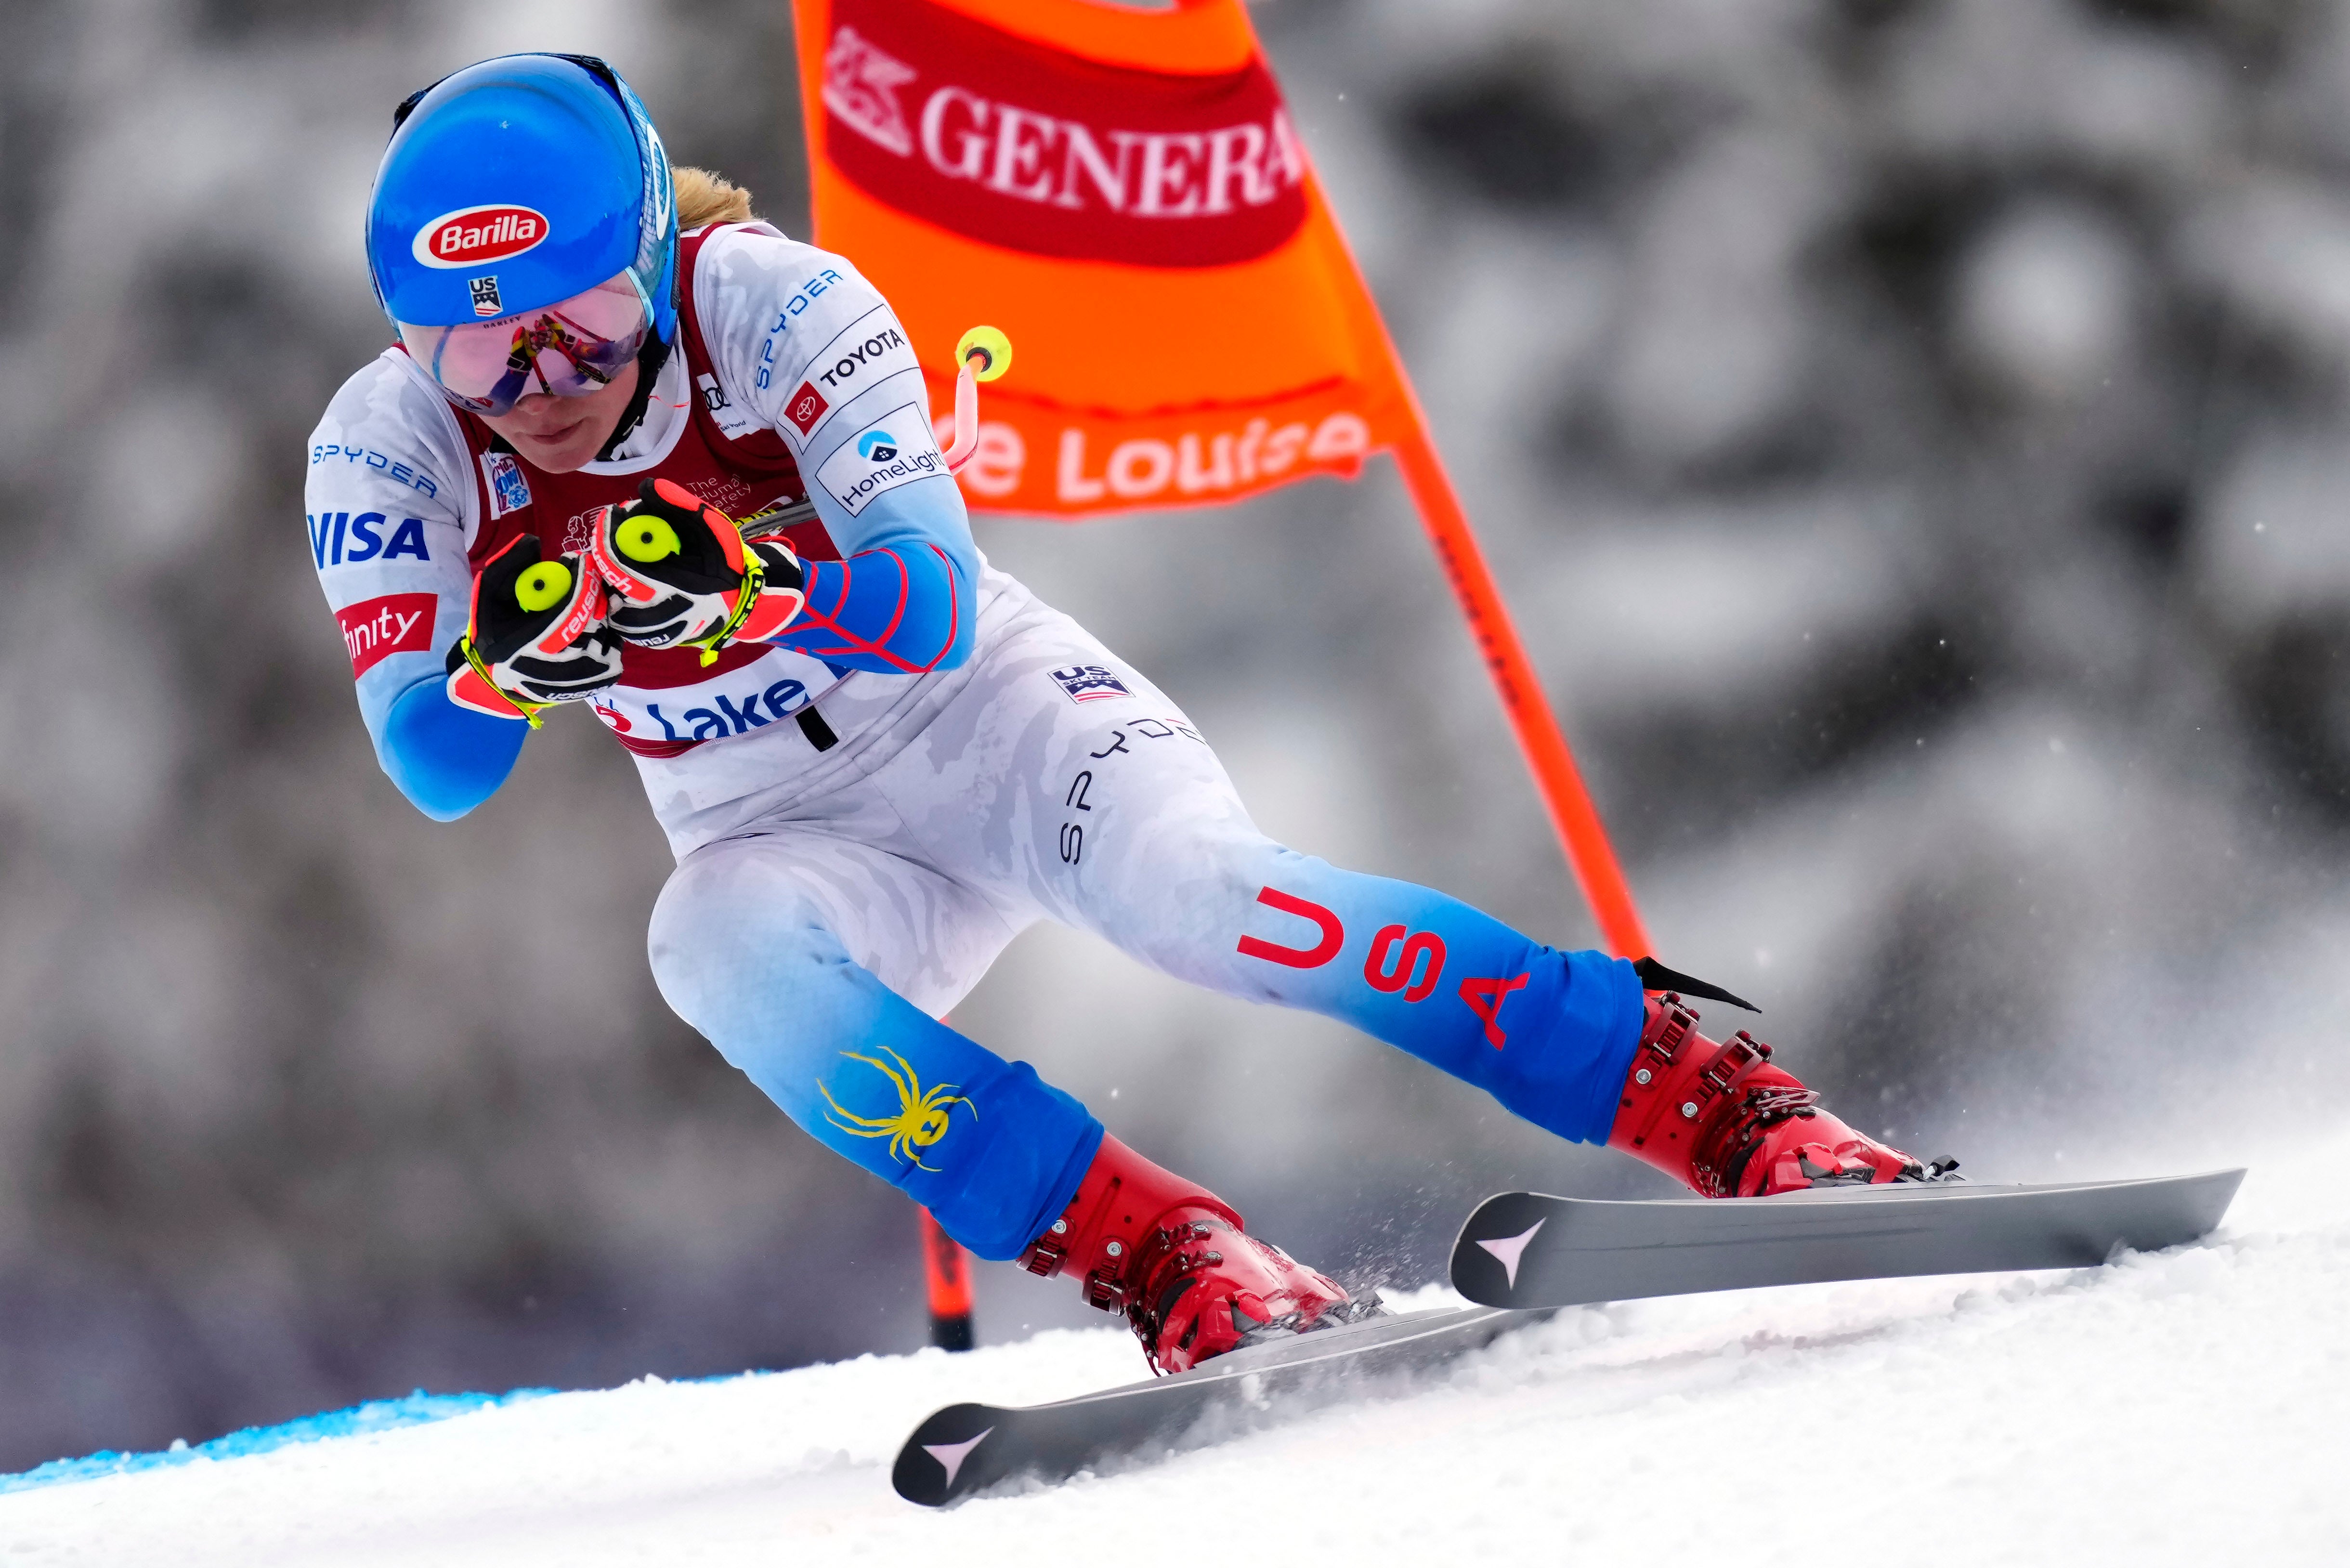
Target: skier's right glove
[(537, 636), (682, 577)]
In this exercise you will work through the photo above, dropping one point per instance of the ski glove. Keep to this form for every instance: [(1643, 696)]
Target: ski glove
[(681, 575), (537, 635)]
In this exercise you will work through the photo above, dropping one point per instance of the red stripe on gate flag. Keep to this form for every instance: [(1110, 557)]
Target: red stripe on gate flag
[(1036, 150)]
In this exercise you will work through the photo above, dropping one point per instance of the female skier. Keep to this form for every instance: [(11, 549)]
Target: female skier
[(876, 758)]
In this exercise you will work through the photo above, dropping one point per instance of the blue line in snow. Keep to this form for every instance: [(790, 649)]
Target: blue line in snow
[(376, 1415)]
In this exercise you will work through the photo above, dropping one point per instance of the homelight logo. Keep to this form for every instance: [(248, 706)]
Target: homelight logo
[(876, 459)]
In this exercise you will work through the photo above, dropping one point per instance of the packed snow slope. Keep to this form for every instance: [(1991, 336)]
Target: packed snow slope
[(2183, 1408)]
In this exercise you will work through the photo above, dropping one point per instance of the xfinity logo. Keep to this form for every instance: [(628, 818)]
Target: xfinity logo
[(374, 630)]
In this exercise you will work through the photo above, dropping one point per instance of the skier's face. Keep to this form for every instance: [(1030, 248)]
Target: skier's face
[(560, 434)]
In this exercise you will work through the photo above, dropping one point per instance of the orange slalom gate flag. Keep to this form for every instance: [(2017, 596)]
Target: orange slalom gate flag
[(1121, 192)]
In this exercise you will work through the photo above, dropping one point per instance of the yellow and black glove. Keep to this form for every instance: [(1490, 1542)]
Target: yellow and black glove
[(537, 635), (681, 575)]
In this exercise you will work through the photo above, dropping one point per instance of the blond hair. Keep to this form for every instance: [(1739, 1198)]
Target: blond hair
[(703, 197)]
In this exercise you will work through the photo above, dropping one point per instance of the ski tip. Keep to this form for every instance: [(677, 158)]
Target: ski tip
[(948, 1454), (2219, 1188), (1490, 1250)]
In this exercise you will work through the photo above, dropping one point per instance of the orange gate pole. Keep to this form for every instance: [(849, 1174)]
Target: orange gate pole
[(946, 1270), (1556, 778)]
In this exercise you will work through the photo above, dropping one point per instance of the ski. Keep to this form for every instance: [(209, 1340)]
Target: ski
[(964, 1449), (1522, 1254), (1525, 1250)]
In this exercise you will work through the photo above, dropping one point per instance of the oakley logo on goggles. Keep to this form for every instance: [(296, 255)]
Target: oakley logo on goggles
[(568, 349)]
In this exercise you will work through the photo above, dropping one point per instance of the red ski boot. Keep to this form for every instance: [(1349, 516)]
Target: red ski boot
[(1172, 1257), (1721, 1120)]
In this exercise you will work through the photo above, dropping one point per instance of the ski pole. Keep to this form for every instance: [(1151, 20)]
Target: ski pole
[(984, 354), (948, 1273)]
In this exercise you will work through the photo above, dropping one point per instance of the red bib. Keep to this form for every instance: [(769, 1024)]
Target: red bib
[(739, 476)]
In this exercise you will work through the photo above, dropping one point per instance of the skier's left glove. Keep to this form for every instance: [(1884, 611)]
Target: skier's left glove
[(535, 635), (681, 575)]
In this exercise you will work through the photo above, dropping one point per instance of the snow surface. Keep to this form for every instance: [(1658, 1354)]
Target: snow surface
[(2181, 1407)]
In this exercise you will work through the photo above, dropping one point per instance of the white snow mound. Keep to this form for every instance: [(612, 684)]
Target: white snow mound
[(2183, 1408)]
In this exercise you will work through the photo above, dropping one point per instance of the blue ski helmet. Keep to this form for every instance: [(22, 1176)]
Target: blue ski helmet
[(520, 182)]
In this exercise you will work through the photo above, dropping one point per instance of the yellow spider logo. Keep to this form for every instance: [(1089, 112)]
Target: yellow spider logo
[(922, 1118)]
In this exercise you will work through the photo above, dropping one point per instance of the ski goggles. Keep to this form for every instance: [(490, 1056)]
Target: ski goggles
[(567, 349)]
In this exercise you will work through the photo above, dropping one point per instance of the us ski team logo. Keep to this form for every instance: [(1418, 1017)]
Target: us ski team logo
[(1089, 683)]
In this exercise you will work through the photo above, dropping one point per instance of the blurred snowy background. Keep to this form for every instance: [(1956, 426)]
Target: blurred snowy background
[(1912, 433)]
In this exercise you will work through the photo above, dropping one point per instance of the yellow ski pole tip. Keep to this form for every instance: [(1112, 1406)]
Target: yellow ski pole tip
[(993, 349)]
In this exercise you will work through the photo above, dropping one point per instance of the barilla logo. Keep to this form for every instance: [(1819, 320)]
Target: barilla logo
[(472, 235)]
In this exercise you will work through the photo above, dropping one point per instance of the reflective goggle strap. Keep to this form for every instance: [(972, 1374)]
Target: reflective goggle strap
[(755, 581), (523, 706)]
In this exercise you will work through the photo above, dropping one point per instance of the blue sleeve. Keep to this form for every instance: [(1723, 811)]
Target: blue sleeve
[(903, 601), (445, 758)]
